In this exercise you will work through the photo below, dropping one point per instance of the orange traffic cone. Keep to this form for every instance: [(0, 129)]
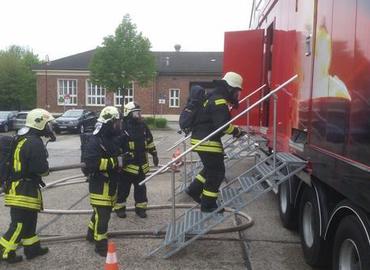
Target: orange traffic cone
[(175, 155), (111, 261)]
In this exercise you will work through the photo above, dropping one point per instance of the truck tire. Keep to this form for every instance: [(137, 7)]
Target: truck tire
[(351, 249), (314, 247), (288, 215)]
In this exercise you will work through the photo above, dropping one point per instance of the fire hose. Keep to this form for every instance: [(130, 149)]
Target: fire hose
[(80, 178)]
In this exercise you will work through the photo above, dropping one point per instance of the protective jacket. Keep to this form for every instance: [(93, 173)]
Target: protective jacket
[(101, 165), (214, 114), (138, 141), (29, 163)]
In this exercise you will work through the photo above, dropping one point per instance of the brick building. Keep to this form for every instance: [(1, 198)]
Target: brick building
[(64, 83)]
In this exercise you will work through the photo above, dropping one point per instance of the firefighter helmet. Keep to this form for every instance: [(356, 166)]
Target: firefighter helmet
[(233, 79), (38, 118), (130, 107), (107, 114)]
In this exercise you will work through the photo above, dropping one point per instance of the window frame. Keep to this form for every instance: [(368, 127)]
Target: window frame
[(70, 94), (171, 98), (127, 98), (96, 96)]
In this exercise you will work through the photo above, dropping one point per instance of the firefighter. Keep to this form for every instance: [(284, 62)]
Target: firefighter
[(138, 139), (215, 113), (101, 159), (22, 194)]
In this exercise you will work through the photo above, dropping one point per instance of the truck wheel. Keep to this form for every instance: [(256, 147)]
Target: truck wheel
[(351, 248), (287, 212), (314, 247)]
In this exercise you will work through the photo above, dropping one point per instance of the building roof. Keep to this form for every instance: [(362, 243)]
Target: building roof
[(181, 63)]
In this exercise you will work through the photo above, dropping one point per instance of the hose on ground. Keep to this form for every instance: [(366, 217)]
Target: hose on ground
[(241, 227)]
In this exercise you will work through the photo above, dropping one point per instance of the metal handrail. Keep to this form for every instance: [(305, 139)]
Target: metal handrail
[(251, 94), (240, 101), (219, 129), (178, 142)]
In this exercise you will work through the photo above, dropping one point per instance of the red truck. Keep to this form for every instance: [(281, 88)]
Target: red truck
[(323, 117)]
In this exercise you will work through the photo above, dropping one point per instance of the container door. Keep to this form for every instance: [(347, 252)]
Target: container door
[(243, 54)]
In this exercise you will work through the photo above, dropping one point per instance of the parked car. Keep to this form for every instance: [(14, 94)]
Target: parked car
[(75, 120), (6, 120), (20, 120)]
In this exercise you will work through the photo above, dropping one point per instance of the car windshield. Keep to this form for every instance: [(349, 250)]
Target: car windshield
[(72, 113), (4, 115), (22, 116)]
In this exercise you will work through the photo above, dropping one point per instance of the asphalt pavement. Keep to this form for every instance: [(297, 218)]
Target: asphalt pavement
[(266, 245)]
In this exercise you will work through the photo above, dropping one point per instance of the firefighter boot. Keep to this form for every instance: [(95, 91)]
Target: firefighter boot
[(34, 251), (209, 205), (11, 258), (90, 235), (121, 213), (194, 190), (101, 247), (141, 212)]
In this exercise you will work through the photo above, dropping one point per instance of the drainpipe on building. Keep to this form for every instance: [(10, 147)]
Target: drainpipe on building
[(155, 86), (47, 63)]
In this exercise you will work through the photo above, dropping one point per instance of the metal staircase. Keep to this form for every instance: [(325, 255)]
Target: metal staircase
[(267, 174), (237, 194), (235, 151)]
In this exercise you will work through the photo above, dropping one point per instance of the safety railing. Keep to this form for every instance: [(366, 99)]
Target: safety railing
[(246, 98), (172, 162), (184, 140)]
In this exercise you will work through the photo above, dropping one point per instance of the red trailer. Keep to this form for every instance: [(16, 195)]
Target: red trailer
[(323, 117)]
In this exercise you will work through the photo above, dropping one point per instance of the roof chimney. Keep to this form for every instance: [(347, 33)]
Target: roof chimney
[(177, 47)]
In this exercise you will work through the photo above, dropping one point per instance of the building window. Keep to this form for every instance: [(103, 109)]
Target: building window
[(67, 92), (95, 95), (128, 98), (174, 98)]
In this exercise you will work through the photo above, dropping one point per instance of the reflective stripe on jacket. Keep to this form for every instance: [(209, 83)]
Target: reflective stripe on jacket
[(214, 114), (29, 162), (138, 140), (24, 194)]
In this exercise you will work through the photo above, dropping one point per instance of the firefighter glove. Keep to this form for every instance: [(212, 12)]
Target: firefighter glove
[(155, 160), (238, 132), (126, 158)]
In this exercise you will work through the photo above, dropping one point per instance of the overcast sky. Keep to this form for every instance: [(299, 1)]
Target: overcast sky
[(60, 28)]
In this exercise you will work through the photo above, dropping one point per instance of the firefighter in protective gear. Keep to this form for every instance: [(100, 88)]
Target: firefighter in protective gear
[(101, 161), (138, 140), (23, 196), (215, 113)]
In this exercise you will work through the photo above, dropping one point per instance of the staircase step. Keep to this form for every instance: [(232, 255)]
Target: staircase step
[(248, 184), (230, 196), (264, 169), (174, 235), (192, 217), (288, 157)]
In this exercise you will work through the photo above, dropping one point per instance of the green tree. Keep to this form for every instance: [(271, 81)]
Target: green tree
[(123, 58), (17, 80)]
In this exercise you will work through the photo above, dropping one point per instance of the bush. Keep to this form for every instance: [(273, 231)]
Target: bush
[(160, 122), (149, 120)]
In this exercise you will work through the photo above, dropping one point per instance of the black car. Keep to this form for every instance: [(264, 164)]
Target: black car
[(75, 121), (7, 120)]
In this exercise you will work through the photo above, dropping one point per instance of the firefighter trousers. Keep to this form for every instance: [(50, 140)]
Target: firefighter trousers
[(98, 226), (205, 186), (124, 187), (22, 227)]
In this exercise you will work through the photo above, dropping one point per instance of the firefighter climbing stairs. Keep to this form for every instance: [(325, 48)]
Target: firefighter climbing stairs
[(267, 174), (235, 151)]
